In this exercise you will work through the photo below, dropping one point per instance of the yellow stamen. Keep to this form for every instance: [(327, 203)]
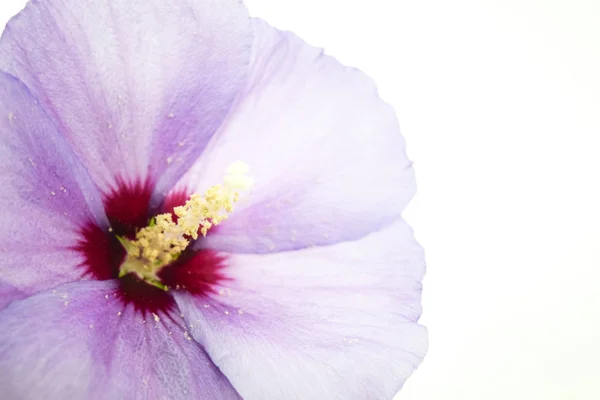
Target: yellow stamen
[(160, 243)]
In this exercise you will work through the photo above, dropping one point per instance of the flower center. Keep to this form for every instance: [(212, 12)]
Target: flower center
[(163, 241), (151, 251)]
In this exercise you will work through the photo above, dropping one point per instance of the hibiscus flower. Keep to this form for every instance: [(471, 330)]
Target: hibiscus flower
[(196, 205)]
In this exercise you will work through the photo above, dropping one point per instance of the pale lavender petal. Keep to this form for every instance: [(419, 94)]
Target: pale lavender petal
[(46, 197), (336, 322), (138, 87), (80, 342), (9, 293), (325, 152)]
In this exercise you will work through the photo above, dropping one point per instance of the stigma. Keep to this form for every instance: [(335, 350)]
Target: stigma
[(165, 238)]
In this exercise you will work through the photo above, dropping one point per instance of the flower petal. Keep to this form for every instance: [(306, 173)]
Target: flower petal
[(325, 152), (138, 87), (8, 294), (97, 348), (336, 322), (46, 197)]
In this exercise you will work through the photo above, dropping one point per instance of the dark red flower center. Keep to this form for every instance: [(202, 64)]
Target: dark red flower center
[(128, 210)]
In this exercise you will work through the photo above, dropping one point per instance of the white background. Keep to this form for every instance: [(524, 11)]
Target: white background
[(499, 102)]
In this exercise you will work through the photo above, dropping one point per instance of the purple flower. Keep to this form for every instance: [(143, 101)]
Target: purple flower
[(114, 112)]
